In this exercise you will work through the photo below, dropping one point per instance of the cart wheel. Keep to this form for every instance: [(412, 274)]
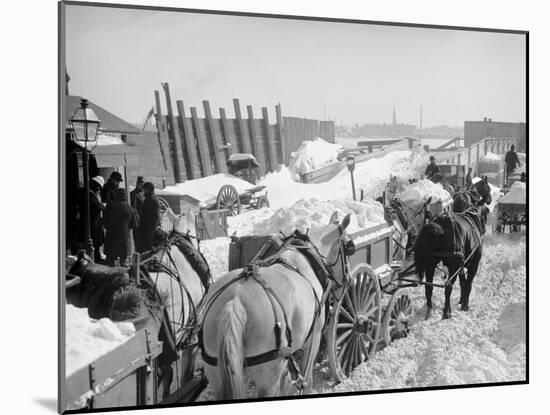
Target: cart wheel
[(354, 323), (263, 202), (397, 317), (228, 198)]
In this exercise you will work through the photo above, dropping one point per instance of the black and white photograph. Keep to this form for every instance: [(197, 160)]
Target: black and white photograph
[(269, 206)]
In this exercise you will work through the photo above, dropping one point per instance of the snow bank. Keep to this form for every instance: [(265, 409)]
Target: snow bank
[(491, 158), (517, 194), (314, 154), (314, 215), (205, 189), (424, 189), (87, 339)]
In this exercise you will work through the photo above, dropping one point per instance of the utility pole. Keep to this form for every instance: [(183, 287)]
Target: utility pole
[(421, 123)]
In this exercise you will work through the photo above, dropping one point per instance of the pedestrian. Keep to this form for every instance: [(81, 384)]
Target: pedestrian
[(150, 217), (469, 183), (119, 220), (511, 160), (432, 169), (136, 197), (96, 209), (109, 191)]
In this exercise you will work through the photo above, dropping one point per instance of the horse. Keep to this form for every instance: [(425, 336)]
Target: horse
[(174, 270), (477, 196), (481, 192), (456, 241), (258, 321)]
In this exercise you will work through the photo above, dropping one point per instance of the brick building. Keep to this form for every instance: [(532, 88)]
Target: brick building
[(475, 131)]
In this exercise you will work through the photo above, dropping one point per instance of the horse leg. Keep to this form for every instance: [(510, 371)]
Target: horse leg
[(313, 350), (472, 271), (267, 377), (448, 291), (429, 289), (462, 287)]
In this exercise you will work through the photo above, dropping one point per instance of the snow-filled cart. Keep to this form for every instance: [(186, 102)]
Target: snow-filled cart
[(512, 209), (361, 321)]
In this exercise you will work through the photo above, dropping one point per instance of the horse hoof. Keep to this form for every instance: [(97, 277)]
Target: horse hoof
[(464, 308), (428, 314), (446, 315)]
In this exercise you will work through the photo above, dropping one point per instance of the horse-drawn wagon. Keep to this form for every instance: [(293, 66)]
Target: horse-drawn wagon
[(160, 295), (360, 319), (511, 209)]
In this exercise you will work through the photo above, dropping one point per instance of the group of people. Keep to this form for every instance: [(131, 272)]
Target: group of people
[(117, 225)]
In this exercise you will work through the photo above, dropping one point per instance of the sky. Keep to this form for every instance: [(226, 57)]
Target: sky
[(349, 73)]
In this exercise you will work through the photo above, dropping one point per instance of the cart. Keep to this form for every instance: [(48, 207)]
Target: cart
[(229, 199), (511, 215), (360, 320)]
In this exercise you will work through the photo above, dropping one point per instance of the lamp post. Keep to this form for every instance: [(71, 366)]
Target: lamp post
[(350, 162), (85, 126)]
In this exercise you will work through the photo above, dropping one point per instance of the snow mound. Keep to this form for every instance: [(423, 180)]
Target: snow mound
[(491, 158), (424, 189), (314, 215), (87, 339), (205, 189), (516, 195), (314, 154)]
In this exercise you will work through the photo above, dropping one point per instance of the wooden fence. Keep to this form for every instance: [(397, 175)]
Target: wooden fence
[(199, 147)]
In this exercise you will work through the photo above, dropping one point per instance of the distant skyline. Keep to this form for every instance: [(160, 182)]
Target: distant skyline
[(358, 72)]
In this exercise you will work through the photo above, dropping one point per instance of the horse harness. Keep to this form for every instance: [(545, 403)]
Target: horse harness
[(197, 262), (299, 243)]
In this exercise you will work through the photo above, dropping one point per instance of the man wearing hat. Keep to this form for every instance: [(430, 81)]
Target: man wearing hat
[(150, 217), (136, 196), (108, 193), (119, 219), (96, 207), (432, 169)]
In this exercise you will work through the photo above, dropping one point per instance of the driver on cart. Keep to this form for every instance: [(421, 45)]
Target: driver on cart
[(432, 169)]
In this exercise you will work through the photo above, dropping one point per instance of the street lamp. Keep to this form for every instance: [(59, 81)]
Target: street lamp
[(350, 162), (85, 126)]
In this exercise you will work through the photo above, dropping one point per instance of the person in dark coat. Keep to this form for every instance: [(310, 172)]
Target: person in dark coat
[(109, 191), (150, 217), (96, 223), (511, 160), (432, 169), (136, 196), (469, 182), (119, 219)]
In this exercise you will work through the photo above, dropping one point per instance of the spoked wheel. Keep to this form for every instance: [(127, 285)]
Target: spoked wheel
[(397, 317), (228, 198), (355, 323)]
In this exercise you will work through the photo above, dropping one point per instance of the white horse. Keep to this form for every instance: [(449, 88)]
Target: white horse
[(183, 289), (240, 315)]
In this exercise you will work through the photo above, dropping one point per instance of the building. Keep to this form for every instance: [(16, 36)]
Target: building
[(475, 131)]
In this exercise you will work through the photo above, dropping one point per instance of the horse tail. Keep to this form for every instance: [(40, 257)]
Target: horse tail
[(426, 242), (231, 323)]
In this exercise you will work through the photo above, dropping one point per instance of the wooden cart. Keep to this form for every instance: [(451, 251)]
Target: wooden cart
[(359, 322)]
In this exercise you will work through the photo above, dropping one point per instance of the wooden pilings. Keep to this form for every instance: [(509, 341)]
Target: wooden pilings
[(200, 147)]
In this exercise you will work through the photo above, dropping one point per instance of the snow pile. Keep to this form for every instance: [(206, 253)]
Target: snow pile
[(206, 189), (424, 189), (516, 195), (216, 252), (491, 158), (108, 140), (87, 339), (314, 154), (314, 215)]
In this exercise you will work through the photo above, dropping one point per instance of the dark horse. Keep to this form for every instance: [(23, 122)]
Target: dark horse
[(479, 195), (456, 241)]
